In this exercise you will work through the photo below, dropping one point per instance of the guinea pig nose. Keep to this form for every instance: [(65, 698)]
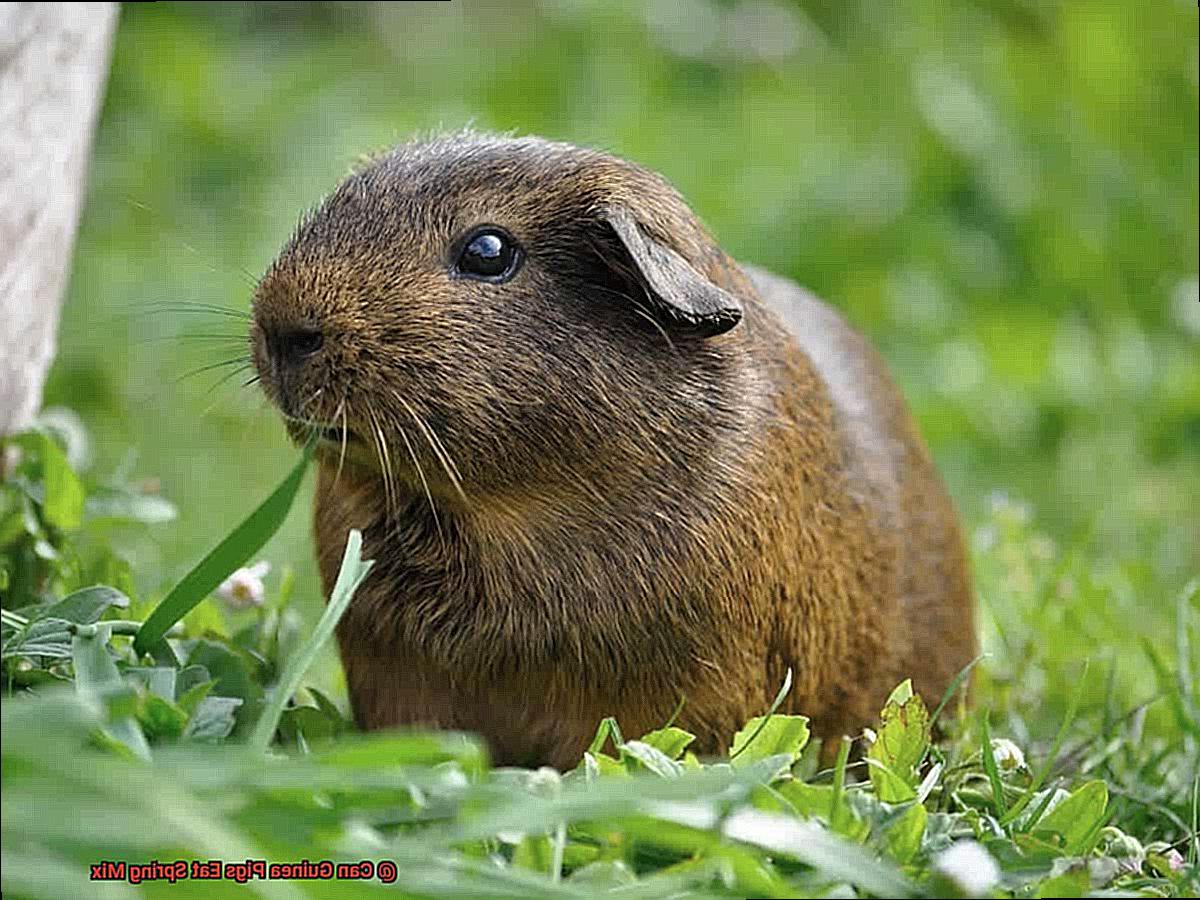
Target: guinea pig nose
[(293, 345)]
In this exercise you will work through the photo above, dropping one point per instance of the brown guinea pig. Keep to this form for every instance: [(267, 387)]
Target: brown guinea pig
[(601, 465)]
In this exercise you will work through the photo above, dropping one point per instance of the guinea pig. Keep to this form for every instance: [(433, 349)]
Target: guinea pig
[(601, 466)]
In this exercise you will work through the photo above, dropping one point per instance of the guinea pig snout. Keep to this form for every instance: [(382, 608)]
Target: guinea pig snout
[(284, 353), (289, 347)]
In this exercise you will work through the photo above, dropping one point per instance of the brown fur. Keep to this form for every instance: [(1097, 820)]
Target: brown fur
[(647, 510)]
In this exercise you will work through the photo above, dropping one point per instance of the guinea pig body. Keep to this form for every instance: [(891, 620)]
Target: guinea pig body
[(601, 466)]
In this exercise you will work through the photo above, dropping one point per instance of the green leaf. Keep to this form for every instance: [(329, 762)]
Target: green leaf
[(601, 764), (327, 706), (307, 722), (1076, 883), (767, 770), (743, 871), (814, 845), (234, 551), (63, 505), (607, 728), (352, 573), (905, 833), (816, 801), (534, 853), (637, 755), (190, 699), (213, 719), (671, 741), (766, 736), (901, 693), (161, 719), (809, 800), (762, 721), (96, 675), (188, 678), (86, 606), (899, 746), (234, 676), (158, 679), (386, 750), (324, 720), (1074, 821), (45, 637)]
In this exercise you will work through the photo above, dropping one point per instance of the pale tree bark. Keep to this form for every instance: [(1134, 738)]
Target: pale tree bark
[(53, 68)]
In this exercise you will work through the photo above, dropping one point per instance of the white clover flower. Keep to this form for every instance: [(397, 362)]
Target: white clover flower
[(1008, 755), (244, 588), (969, 866)]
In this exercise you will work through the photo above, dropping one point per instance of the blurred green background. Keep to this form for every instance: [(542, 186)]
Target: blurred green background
[(1002, 194)]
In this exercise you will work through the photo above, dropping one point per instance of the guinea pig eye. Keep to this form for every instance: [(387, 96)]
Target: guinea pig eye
[(489, 255)]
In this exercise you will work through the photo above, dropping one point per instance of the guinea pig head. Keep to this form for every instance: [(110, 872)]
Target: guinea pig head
[(491, 311)]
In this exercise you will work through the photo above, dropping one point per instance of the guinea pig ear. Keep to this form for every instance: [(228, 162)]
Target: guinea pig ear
[(682, 300)]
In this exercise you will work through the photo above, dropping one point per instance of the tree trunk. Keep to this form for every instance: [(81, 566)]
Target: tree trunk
[(53, 67)]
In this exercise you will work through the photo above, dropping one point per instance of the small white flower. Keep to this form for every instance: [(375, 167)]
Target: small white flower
[(869, 736), (1008, 755), (1174, 859), (244, 588), (970, 867)]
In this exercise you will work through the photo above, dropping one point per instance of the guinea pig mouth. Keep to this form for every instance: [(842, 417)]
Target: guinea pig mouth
[(301, 431), (336, 435)]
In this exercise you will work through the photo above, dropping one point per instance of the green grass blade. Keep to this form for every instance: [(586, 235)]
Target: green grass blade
[(241, 544), (953, 688), (837, 812), (1193, 856), (607, 728), (1189, 695), (1040, 809), (779, 697), (1169, 686), (354, 570), (1044, 771), (989, 764)]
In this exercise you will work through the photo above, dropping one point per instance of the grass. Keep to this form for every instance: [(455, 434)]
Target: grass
[(1002, 195), (205, 746)]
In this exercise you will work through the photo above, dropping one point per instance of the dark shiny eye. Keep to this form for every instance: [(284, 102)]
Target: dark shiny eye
[(489, 255)]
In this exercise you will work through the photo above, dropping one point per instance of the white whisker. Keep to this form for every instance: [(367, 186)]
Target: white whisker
[(425, 484), (435, 444)]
